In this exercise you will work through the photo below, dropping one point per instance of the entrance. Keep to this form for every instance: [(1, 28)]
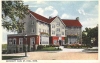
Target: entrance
[(60, 42)]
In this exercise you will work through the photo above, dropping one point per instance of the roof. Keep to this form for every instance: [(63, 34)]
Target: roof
[(65, 21), (51, 19), (39, 17), (72, 23)]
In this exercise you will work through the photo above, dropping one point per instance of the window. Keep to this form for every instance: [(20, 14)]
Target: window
[(20, 41), (58, 24), (62, 27), (32, 22), (53, 32), (55, 42), (30, 16), (39, 23), (14, 41), (32, 30), (10, 41), (58, 29), (72, 28), (32, 40), (62, 33), (53, 26)]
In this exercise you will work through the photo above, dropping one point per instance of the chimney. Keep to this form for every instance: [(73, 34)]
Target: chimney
[(77, 18), (50, 17)]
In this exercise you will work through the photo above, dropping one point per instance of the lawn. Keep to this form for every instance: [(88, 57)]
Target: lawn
[(49, 49), (10, 57)]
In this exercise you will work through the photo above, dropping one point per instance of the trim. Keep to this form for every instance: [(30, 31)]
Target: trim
[(34, 17)]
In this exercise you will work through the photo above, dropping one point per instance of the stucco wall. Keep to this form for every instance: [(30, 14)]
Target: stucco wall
[(54, 22)]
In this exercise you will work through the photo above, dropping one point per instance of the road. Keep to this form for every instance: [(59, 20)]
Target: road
[(65, 54)]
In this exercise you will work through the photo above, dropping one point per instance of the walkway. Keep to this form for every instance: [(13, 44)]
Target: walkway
[(70, 50)]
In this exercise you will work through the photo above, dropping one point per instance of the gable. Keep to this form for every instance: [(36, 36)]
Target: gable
[(57, 19)]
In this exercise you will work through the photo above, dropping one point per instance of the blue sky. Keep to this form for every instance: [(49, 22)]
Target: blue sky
[(87, 11)]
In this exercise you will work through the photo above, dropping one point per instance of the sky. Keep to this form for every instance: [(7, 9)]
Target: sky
[(87, 11)]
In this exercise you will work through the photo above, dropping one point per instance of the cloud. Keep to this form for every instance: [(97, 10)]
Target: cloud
[(47, 11), (33, 6), (65, 16), (90, 22), (40, 1), (81, 11), (40, 11), (49, 8), (55, 13)]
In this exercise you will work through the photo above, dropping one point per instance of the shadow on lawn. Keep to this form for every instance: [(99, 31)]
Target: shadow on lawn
[(11, 57)]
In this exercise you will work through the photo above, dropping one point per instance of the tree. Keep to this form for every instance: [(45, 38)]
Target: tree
[(91, 33), (12, 11)]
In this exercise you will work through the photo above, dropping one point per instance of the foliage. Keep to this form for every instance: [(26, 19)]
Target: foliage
[(10, 57), (40, 47), (49, 49), (4, 46), (12, 11), (66, 40), (76, 46), (91, 33), (4, 51)]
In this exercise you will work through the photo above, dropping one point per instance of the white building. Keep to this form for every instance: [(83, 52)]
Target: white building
[(45, 31)]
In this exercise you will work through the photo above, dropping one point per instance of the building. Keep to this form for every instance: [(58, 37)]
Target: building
[(44, 31)]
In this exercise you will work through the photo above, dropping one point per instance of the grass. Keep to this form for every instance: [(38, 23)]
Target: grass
[(10, 57), (49, 49)]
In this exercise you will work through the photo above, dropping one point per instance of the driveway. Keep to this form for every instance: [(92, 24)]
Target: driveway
[(70, 50)]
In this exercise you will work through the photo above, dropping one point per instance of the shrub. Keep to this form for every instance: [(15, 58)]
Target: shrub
[(40, 47), (4, 51)]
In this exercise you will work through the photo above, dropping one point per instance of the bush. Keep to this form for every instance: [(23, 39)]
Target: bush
[(73, 46), (88, 45), (4, 51), (40, 47)]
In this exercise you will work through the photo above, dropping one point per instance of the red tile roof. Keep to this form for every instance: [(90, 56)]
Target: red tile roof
[(72, 22), (39, 17), (66, 21), (50, 20)]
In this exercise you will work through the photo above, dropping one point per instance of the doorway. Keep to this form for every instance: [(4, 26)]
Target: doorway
[(60, 42)]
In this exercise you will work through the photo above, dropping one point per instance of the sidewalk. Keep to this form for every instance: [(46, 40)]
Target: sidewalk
[(70, 50)]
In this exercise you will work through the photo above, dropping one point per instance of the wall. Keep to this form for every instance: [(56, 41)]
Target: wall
[(54, 22)]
